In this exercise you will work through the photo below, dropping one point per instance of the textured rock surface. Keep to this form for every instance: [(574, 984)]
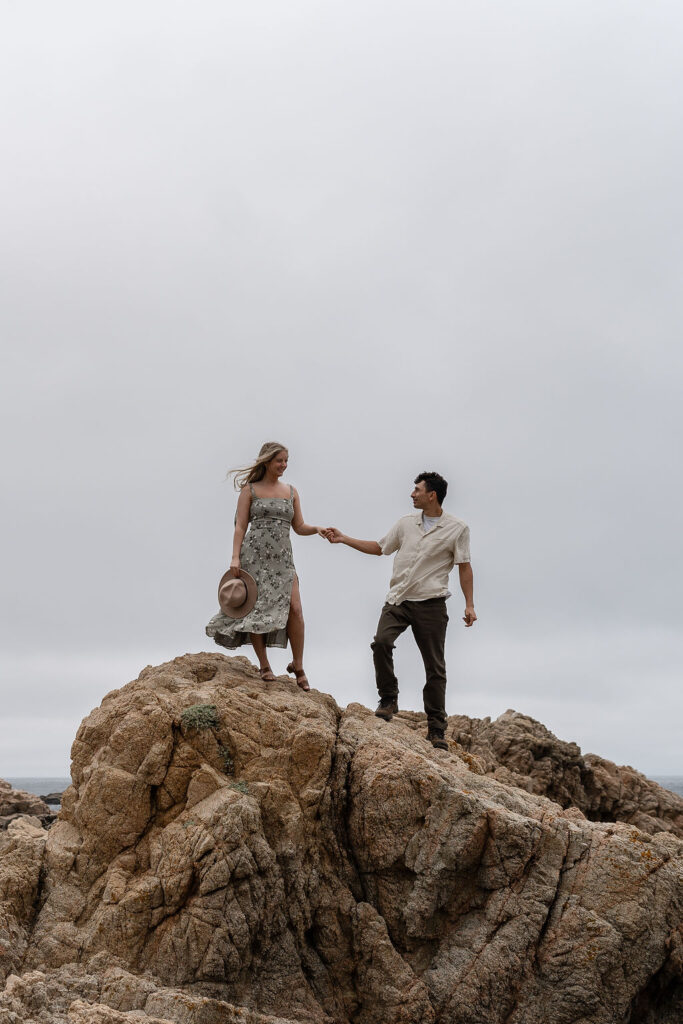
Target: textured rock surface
[(522, 752), (15, 804), (298, 863), (16, 801), (72, 995), (21, 854)]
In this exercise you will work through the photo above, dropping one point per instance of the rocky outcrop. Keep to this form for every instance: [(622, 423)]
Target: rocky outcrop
[(105, 995), (521, 752), (54, 799), (234, 850), (21, 856), (15, 802)]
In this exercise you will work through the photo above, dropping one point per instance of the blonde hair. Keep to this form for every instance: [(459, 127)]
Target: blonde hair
[(251, 474)]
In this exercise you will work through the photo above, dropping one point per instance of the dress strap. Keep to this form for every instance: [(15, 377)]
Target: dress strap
[(291, 493), (251, 488)]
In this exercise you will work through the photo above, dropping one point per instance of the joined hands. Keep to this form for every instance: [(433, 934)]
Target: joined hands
[(332, 534)]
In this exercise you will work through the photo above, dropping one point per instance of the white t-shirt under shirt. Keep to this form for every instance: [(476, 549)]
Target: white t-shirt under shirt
[(429, 522)]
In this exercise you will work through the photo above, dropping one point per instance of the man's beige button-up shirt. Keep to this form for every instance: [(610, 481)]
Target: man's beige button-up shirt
[(424, 560)]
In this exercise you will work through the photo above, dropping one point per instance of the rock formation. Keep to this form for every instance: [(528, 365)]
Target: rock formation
[(15, 803), (236, 850), (521, 752), (51, 798)]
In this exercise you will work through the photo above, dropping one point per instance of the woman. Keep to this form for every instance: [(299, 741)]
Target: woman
[(269, 508)]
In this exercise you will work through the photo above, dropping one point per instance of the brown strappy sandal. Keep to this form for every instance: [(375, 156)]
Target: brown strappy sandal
[(301, 678), (267, 674)]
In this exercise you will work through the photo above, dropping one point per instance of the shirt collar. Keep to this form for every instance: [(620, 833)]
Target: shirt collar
[(437, 525)]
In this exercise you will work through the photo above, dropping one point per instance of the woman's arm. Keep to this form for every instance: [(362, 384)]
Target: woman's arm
[(298, 524), (241, 524)]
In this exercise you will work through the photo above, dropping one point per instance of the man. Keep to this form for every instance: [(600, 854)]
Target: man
[(427, 544)]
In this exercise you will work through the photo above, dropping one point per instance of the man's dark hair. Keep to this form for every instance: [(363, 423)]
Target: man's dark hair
[(434, 482)]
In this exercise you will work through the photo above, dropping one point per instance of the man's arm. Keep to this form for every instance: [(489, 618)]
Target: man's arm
[(368, 547), (467, 585)]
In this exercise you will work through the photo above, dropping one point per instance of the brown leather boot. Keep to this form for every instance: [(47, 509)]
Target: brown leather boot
[(387, 708), (436, 738)]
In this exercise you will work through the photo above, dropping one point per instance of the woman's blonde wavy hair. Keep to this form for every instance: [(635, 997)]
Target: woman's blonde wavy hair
[(257, 470)]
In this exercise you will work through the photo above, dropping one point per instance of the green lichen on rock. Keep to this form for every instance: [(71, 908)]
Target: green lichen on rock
[(200, 716), (240, 786)]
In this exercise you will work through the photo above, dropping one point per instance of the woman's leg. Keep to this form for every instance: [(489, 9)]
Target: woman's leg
[(259, 645), (295, 627)]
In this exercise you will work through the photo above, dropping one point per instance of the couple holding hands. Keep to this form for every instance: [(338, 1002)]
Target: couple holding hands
[(259, 594)]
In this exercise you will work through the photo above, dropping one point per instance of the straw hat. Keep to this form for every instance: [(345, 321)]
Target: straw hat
[(237, 596)]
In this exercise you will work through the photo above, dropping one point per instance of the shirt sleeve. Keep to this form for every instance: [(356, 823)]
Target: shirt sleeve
[(392, 541), (462, 546)]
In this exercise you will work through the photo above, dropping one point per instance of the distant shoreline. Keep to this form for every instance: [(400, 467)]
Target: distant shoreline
[(42, 784)]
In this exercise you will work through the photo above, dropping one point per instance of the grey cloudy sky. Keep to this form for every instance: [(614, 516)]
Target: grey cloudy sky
[(394, 236)]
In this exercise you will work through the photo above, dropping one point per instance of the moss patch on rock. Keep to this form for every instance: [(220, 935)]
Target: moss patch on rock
[(200, 716)]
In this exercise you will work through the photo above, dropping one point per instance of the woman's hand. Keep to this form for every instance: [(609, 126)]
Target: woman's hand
[(321, 531), (235, 568)]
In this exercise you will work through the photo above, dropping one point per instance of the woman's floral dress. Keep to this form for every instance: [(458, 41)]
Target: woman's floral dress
[(267, 555)]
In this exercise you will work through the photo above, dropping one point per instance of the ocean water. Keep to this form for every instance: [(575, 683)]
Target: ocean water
[(40, 785), (672, 782)]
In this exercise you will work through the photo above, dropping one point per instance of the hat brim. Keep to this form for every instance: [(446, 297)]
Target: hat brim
[(250, 600)]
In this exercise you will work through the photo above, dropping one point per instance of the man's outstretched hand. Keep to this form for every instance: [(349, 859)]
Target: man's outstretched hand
[(334, 535), (470, 617)]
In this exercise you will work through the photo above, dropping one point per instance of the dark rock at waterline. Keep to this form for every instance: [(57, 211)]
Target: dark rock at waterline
[(52, 798)]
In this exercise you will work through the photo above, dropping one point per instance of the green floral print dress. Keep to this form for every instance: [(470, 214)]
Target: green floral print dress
[(267, 555)]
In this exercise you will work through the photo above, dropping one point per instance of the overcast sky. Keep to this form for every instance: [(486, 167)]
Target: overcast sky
[(393, 236)]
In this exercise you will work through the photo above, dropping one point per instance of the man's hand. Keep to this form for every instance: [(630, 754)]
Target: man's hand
[(470, 617), (334, 535)]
